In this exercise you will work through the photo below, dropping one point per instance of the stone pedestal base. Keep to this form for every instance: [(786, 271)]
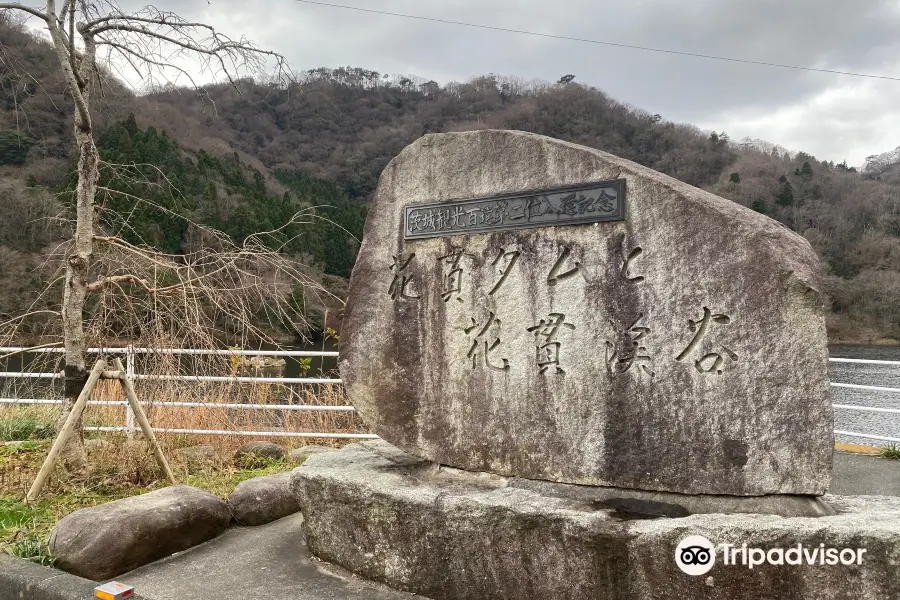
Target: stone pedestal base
[(454, 535)]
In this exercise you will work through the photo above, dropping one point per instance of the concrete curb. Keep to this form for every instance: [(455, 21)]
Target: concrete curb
[(24, 580), (857, 449)]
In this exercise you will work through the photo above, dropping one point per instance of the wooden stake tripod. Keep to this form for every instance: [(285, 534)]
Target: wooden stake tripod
[(68, 427)]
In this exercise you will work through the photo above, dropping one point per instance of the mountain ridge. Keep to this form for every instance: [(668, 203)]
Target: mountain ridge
[(344, 125)]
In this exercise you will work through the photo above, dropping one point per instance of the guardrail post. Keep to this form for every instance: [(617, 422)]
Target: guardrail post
[(129, 371)]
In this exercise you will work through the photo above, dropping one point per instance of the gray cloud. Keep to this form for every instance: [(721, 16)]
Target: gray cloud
[(832, 116)]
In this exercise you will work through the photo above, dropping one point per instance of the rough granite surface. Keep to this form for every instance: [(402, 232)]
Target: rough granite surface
[(262, 500), (385, 516), (688, 341), (104, 541)]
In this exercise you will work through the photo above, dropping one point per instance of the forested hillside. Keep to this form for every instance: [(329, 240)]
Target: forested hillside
[(244, 159), (221, 192), (152, 191)]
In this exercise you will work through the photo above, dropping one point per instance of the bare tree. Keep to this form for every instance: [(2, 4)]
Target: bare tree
[(155, 45)]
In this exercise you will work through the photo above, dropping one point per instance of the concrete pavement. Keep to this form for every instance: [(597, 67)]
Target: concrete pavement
[(269, 562), (861, 475)]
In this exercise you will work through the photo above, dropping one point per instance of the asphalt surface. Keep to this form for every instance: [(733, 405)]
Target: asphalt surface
[(859, 475)]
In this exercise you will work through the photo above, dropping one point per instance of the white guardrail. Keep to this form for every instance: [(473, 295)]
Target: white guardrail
[(131, 352)]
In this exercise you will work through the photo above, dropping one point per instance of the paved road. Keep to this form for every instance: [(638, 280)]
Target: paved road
[(270, 562)]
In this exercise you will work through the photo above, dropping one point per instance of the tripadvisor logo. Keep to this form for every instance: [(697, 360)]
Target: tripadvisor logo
[(696, 555)]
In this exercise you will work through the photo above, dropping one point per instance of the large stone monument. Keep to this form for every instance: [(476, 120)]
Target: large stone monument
[(573, 362), (529, 307)]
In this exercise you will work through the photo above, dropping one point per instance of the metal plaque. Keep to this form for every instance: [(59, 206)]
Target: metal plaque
[(572, 205)]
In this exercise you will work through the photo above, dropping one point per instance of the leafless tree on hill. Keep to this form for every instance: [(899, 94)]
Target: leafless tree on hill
[(101, 274)]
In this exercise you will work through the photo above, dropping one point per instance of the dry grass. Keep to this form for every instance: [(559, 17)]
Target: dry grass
[(211, 395), (210, 416), (119, 467)]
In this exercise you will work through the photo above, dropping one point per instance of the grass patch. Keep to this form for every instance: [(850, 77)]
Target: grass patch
[(24, 428), (254, 461), (24, 529), (892, 452), (15, 515), (222, 483), (33, 549), (118, 469), (13, 449)]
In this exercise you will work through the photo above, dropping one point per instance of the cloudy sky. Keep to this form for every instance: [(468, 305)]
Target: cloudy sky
[(834, 117)]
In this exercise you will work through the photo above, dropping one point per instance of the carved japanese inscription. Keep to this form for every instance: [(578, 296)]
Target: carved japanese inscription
[(399, 287), (485, 337), (629, 350), (533, 324), (548, 346), (596, 202), (711, 362)]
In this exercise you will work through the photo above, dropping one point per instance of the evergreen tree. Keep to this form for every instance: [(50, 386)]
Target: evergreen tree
[(130, 124), (786, 194), (331, 238), (209, 209), (125, 147), (14, 148), (210, 194), (176, 186), (806, 171)]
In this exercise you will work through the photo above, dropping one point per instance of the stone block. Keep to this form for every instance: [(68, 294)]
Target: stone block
[(463, 536), (300, 454), (680, 348), (263, 499), (107, 540)]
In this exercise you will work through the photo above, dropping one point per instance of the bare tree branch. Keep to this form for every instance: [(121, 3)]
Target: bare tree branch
[(130, 55), (218, 288), (19, 6)]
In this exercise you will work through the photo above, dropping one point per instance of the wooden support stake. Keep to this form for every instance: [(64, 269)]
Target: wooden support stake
[(142, 420), (66, 432)]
